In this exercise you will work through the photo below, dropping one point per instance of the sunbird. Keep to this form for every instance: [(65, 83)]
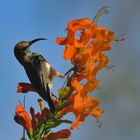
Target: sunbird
[(38, 70)]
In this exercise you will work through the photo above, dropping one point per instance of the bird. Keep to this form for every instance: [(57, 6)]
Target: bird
[(38, 70)]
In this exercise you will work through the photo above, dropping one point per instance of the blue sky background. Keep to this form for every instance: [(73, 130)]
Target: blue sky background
[(120, 89)]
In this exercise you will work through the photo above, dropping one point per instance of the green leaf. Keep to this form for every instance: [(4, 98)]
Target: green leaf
[(66, 121), (63, 105)]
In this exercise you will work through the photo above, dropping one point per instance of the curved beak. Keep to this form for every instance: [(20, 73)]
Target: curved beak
[(38, 39)]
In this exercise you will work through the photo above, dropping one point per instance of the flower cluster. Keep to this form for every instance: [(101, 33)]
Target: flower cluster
[(86, 52), (39, 124), (85, 47)]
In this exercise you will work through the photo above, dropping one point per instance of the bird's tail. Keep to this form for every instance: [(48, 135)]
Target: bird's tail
[(51, 105), (49, 100)]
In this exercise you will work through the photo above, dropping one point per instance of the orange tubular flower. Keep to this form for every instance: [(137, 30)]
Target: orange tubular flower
[(82, 106), (65, 133), (24, 88), (22, 117), (87, 53), (45, 114)]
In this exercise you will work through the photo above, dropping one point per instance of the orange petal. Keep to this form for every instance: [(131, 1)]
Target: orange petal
[(97, 112), (78, 24), (24, 88), (68, 52), (76, 85), (22, 117), (76, 123), (61, 41), (65, 133)]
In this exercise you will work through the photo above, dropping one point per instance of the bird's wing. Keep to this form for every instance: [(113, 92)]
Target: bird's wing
[(38, 71)]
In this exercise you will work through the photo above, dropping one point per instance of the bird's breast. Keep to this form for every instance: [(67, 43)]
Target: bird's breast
[(48, 68)]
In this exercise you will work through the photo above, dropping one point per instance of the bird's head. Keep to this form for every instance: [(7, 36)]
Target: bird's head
[(22, 48), (24, 45)]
